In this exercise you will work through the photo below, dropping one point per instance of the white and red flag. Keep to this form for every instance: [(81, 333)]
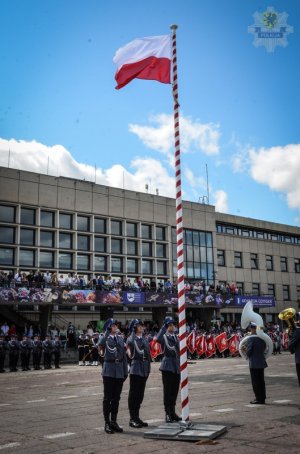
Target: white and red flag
[(191, 341), (201, 345), (144, 58), (155, 349), (233, 344), (221, 342), (211, 346)]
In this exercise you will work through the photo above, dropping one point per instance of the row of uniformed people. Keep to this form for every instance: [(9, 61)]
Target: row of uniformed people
[(50, 349), (114, 350), (88, 349)]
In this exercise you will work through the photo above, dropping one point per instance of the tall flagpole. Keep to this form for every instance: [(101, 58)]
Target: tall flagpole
[(179, 236)]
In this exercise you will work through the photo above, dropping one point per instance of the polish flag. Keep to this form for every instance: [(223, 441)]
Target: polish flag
[(144, 58), (221, 342), (233, 344), (191, 341)]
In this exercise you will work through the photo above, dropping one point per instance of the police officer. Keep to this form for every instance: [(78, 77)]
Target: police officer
[(47, 350), (114, 373), (13, 349), (255, 351), (56, 346), (138, 351), (36, 346), (87, 349), (3, 348), (25, 349), (170, 367), (94, 352), (80, 346)]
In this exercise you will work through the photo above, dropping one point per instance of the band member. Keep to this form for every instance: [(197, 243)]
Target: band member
[(56, 346), (80, 346), (170, 367), (3, 348), (13, 348), (36, 352), (87, 349), (255, 351), (139, 353), (294, 346), (114, 373), (25, 349), (94, 352), (47, 350)]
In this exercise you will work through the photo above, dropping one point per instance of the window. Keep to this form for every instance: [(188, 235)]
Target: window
[(83, 223), (7, 235), (116, 227), (83, 242), (240, 287), (83, 262), (116, 264), (116, 246), (147, 249), (100, 225), (131, 229), (47, 219), (160, 233), (100, 244), (46, 238), (221, 257), (46, 259), (27, 236), (131, 247), (146, 231), (238, 263), (132, 266), (6, 256), (255, 288), (65, 221), (160, 250), (260, 235), (269, 262), (230, 230), (188, 237), (100, 263), (271, 289), (27, 216), (65, 261), (245, 232), (146, 267), (297, 265), (209, 239), (65, 240), (286, 292), (254, 261), (161, 268), (26, 257), (298, 293), (7, 214), (283, 264)]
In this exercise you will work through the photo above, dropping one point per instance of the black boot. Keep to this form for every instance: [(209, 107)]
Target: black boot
[(106, 413), (114, 425), (108, 428), (175, 417), (144, 424), (169, 418)]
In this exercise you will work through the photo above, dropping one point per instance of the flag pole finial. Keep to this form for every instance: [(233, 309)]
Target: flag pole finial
[(173, 27)]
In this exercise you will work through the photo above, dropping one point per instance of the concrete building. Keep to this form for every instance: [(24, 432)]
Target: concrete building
[(72, 226)]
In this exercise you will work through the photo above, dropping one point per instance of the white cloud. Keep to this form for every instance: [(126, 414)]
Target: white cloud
[(221, 201), (194, 136)]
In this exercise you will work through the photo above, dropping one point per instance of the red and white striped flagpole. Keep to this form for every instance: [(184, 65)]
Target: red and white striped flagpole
[(179, 236)]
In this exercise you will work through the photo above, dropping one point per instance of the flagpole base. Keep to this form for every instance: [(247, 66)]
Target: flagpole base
[(186, 431)]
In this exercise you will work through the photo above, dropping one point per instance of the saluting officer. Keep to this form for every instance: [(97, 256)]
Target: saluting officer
[(13, 348), (3, 348), (47, 349), (170, 367), (25, 348), (36, 352), (114, 373), (138, 351)]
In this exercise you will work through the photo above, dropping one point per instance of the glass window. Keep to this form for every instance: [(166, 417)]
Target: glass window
[(26, 257), (83, 262), (188, 237), (132, 266), (203, 254), (131, 229), (160, 233), (255, 288), (161, 268), (65, 221), (46, 259), (47, 218), (298, 292), (147, 249), (83, 223), (245, 232), (160, 250), (297, 265), (83, 242), (6, 256), (271, 289), (27, 216), (146, 266), (260, 235), (100, 225), (283, 264), (230, 230), (189, 253), (274, 237), (238, 263), (254, 261), (27, 236), (100, 263), (65, 240), (240, 286), (209, 240), (7, 213), (65, 261), (100, 244), (221, 257), (46, 238), (196, 239), (286, 292), (7, 235), (209, 253), (269, 262), (131, 247), (190, 269), (116, 264), (116, 227), (116, 246), (202, 238), (197, 270), (146, 231), (173, 234)]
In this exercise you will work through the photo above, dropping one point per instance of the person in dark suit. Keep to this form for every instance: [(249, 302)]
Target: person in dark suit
[(257, 363), (139, 353), (294, 346), (170, 367), (114, 373)]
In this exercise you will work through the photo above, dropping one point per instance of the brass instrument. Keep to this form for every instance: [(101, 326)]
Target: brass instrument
[(288, 316)]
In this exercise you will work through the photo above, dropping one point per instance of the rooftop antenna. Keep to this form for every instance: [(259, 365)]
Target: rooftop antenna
[(147, 187), (207, 185), (8, 156), (157, 191)]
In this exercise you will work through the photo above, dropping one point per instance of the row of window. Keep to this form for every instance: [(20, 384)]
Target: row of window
[(269, 290), (258, 234), (254, 262), (70, 221)]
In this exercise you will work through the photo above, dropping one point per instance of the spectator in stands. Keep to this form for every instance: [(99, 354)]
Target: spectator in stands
[(61, 280), (47, 278), (4, 329)]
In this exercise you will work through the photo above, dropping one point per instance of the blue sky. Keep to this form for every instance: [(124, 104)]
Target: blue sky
[(60, 113)]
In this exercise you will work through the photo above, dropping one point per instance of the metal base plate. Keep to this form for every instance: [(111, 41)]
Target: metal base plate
[(192, 431)]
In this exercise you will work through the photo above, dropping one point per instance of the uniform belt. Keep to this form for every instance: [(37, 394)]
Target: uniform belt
[(112, 360)]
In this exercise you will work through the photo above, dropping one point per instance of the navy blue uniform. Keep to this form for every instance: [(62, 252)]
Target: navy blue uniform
[(257, 364), (294, 347)]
